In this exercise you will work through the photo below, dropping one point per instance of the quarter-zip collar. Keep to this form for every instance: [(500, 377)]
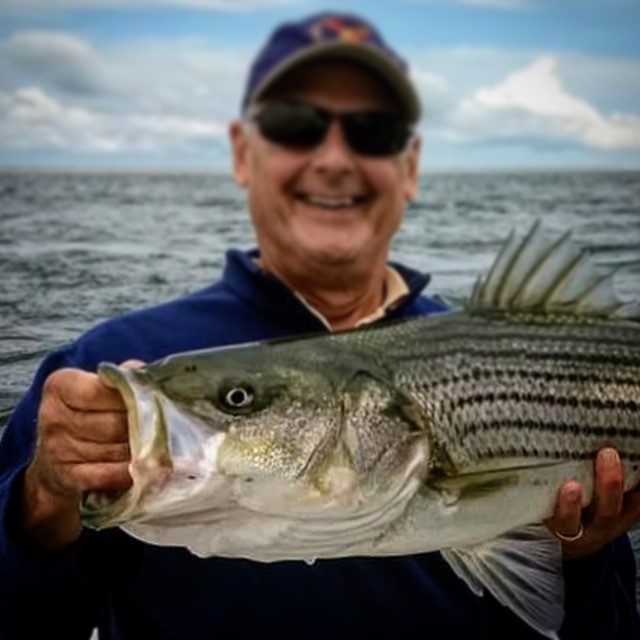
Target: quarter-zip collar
[(244, 276)]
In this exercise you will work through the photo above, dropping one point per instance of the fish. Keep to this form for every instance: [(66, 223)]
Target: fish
[(450, 432)]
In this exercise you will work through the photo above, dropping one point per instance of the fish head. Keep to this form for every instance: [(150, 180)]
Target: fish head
[(203, 424)]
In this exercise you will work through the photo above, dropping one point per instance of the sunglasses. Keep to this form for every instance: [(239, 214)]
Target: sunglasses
[(300, 125)]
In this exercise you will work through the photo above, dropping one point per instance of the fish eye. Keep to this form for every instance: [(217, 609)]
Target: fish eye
[(238, 397)]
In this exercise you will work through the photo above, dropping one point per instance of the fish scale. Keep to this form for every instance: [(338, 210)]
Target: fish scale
[(536, 387)]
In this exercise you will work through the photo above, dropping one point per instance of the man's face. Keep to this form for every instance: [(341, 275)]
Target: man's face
[(326, 205)]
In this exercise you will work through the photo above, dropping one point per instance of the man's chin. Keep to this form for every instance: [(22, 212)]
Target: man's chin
[(338, 255)]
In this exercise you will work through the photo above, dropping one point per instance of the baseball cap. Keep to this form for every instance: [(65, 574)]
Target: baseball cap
[(330, 35)]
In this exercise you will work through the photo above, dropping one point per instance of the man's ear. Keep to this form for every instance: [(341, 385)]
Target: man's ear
[(239, 152), (412, 159)]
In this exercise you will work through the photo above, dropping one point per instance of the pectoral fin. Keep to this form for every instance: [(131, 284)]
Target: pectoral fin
[(522, 570), (470, 486)]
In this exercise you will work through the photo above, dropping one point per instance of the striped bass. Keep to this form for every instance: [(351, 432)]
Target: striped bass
[(451, 432)]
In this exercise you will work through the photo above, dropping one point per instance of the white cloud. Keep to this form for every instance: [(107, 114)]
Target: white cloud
[(59, 92), (428, 81), (172, 99), (434, 91), (219, 5), (533, 103), (31, 119)]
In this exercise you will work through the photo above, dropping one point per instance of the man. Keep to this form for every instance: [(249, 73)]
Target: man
[(327, 153)]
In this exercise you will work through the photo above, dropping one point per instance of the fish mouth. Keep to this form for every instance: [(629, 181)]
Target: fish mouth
[(151, 463)]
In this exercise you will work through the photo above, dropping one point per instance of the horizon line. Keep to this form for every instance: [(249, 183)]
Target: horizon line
[(216, 170)]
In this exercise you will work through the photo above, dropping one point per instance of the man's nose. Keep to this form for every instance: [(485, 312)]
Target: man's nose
[(333, 154)]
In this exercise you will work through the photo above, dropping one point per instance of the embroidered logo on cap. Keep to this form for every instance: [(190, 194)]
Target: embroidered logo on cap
[(335, 28)]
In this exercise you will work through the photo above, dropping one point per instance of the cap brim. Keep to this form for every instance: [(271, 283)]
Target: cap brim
[(360, 52)]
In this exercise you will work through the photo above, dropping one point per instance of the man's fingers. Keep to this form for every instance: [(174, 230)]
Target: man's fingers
[(105, 476), (610, 513), (82, 391), (56, 423), (83, 440), (99, 427), (608, 494), (79, 452), (132, 364), (567, 515)]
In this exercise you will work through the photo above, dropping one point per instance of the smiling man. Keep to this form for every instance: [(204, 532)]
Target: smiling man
[(327, 154), (327, 151)]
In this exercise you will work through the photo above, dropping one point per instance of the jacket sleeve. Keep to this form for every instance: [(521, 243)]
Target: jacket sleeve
[(61, 598), (600, 595)]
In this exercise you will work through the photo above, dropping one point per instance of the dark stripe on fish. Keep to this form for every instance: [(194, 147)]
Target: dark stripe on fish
[(552, 427), (610, 359), (524, 452), (477, 374), (545, 399)]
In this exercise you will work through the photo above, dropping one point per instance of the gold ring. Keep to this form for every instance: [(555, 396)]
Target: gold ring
[(572, 538)]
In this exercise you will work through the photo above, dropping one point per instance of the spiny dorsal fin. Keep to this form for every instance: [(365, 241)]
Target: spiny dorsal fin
[(543, 274)]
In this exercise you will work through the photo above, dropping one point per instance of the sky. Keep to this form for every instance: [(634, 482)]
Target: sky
[(153, 83)]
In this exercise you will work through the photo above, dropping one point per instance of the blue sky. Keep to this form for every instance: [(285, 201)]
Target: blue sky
[(152, 83)]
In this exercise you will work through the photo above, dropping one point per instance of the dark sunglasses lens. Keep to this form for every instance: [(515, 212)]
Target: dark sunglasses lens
[(376, 133), (292, 125)]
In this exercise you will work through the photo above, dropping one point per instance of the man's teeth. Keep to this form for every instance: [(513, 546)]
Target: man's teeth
[(331, 203)]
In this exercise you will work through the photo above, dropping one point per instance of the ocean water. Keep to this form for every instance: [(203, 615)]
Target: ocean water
[(76, 248)]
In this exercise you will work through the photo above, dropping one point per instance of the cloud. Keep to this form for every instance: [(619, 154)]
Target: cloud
[(434, 91), (532, 103), (31, 119), (57, 59), (59, 92), (215, 5), (428, 81), (170, 101)]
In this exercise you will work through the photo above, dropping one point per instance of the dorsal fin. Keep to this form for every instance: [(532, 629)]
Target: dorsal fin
[(543, 274)]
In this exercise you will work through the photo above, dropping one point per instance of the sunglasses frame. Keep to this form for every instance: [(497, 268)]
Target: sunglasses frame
[(397, 137)]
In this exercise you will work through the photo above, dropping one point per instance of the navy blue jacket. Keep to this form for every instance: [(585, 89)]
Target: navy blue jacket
[(136, 591)]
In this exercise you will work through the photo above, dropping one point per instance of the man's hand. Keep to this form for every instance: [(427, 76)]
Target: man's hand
[(82, 445), (610, 514)]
